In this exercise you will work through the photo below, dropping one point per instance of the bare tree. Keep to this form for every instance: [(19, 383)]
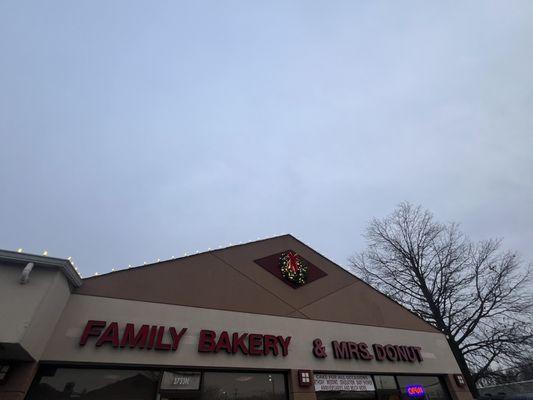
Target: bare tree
[(521, 371), (475, 293)]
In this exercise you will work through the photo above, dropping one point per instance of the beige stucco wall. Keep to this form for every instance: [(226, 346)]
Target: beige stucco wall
[(29, 312), (46, 315), (63, 344), (18, 303)]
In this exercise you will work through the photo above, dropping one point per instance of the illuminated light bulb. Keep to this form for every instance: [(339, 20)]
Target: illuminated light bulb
[(144, 263), (112, 269), (185, 254), (129, 265), (173, 257), (209, 249), (158, 260), (96, 273), (45, 253), (19, 251)]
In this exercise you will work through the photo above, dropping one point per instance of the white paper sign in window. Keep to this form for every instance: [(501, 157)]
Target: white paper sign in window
[(349, 383), (178, 381)]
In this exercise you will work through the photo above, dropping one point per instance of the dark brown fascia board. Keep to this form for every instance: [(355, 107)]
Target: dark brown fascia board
[(61, 264)]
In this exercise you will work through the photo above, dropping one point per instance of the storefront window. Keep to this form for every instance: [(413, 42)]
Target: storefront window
[(55, 383), (422, 388), (94, 384), (235, 386), (386, 387)]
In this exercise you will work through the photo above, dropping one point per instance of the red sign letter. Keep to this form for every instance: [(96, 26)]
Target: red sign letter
[(93, 328), (206, 343)]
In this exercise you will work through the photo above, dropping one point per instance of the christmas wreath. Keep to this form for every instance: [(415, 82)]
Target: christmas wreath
[(293, 267)]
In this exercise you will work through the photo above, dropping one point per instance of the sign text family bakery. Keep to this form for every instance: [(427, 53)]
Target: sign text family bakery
[(159, 337)]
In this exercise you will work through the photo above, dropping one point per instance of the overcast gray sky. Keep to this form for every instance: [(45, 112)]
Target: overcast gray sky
[(132, 131)]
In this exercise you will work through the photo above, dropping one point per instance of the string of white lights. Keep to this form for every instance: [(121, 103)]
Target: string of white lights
[(186, 254)]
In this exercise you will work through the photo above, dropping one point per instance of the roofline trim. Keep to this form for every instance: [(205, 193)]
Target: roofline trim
[(65, 266)]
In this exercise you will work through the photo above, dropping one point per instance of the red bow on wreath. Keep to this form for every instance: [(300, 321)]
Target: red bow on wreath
[(293, 261)]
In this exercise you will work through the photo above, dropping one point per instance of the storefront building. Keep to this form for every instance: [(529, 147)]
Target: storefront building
[(268, 320)]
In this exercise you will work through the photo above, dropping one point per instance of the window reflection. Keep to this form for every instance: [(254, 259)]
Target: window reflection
[(386, 387), (94, 384), (239, 386), (56, 383), (433, 388)]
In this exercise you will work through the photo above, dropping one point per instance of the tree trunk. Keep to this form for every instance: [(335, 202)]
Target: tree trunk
[(463, 366)]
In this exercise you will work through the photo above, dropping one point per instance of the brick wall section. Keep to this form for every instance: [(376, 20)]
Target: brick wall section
[(20, 378)]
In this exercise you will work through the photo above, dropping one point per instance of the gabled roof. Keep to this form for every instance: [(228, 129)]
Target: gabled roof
[(230, 279)]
